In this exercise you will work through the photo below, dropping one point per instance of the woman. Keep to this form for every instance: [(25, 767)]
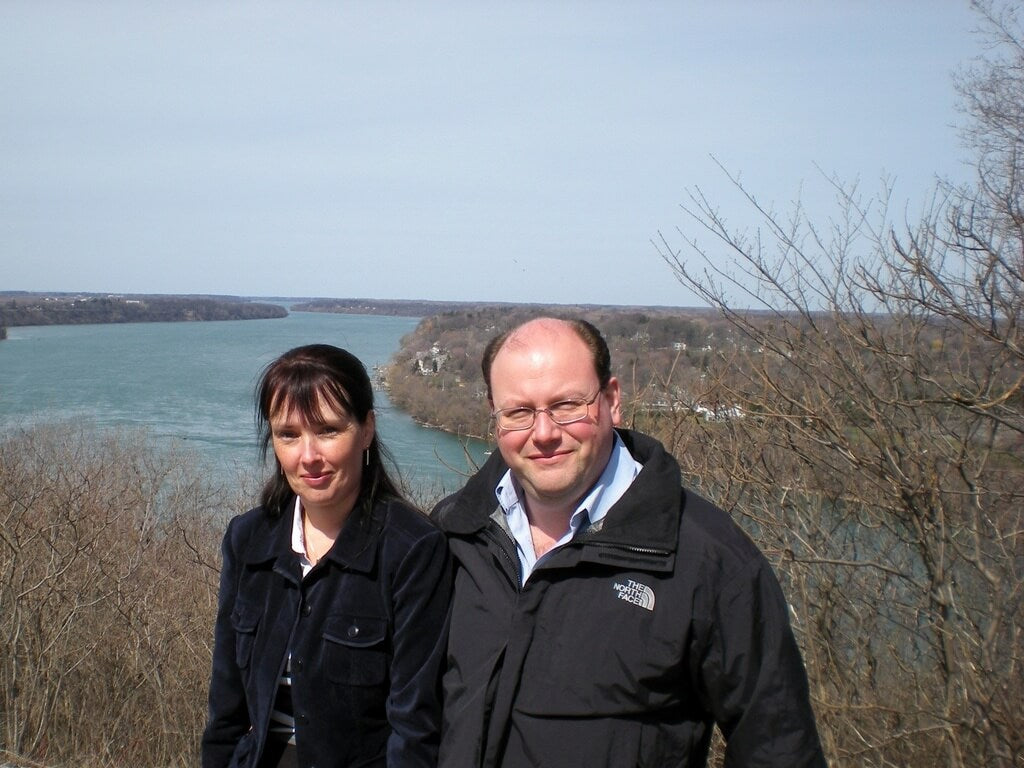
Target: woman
[(331, 624)]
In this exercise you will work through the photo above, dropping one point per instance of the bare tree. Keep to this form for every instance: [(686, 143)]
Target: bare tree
[(880, 457)]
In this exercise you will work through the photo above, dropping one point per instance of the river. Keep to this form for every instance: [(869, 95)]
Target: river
[(190, 385)]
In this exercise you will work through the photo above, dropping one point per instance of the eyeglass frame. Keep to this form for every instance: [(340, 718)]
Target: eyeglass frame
[(533, 422)]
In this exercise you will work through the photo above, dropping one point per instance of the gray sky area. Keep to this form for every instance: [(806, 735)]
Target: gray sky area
[(496, 151)]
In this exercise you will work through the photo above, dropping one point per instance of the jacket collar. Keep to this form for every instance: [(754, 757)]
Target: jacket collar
[(647, 515), (355, 548)]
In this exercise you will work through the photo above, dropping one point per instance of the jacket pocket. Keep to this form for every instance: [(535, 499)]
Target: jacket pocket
[(355, 650), (245, 620)]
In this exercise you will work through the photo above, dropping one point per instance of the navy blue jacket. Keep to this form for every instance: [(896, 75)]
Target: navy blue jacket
[(367, 633), (625, 645)]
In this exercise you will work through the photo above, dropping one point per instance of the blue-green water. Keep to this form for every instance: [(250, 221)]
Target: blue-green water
[(191, 385)]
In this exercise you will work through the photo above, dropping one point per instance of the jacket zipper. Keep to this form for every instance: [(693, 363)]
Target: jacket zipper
[(640, 550), (513, 562), (652, 551)]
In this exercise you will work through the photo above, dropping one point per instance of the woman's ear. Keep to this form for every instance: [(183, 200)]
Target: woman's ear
[(369, 428)]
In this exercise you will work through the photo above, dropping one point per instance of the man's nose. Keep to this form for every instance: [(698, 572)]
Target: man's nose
[(544, 427)]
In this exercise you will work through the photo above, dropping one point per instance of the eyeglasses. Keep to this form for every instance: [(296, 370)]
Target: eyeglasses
[(563, 412)]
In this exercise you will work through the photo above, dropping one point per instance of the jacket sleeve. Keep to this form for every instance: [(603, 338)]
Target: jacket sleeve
[(228, 717), (753, 676), (421, 591)]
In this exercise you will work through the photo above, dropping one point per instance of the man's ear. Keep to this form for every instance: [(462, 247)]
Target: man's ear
[(613, 393)]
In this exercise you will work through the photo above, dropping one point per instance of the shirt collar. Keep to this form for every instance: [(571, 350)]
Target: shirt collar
[(614, 480), (616, 477), (299, 537)]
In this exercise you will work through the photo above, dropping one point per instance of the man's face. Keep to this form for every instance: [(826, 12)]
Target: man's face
[(543, 363)]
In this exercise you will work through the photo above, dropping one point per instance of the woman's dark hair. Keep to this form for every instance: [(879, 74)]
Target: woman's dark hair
[(587, 332), (305, 378)]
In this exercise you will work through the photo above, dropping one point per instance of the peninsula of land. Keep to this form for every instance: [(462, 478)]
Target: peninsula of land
[(659, 355)]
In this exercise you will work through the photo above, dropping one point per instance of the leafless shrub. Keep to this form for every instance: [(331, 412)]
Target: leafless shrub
[(108, 578)]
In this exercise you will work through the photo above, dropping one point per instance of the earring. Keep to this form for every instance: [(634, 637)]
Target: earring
[(366, 458)]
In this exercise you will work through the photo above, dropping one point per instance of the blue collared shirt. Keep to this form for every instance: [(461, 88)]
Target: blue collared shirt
[(617, 476)]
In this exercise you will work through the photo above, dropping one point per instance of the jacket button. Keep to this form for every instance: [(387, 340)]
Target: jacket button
[(353, 631), (307, 609)]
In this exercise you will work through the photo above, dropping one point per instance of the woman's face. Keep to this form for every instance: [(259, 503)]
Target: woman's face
[(322, 459)]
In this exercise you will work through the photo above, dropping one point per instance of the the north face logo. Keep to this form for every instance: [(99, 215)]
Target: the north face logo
[(636, 593)]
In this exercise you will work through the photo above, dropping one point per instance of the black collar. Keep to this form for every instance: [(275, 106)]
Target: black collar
[(354, 549), (647, 515)]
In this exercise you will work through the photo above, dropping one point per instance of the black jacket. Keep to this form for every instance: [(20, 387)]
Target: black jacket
[(366, 629), (624, 646)]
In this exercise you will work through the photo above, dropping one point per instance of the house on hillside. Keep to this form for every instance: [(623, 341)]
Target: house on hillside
[(430, 363), (719, 413)]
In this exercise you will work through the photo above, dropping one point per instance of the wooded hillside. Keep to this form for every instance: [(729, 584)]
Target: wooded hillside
[(657, 354)]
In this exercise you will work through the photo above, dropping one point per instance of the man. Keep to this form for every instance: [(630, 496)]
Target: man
[(603, 615)]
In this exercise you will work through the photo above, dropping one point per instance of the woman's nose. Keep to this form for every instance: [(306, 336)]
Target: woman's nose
[(310, 449)]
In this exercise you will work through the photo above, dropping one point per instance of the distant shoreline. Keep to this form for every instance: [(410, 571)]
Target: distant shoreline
[(31, 309), (425, 308), (25, 308)]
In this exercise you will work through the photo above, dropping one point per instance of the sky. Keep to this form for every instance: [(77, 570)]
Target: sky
[(450, 151)]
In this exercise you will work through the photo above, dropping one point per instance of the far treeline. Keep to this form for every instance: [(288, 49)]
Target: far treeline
[(864, 422), (18, 309)]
